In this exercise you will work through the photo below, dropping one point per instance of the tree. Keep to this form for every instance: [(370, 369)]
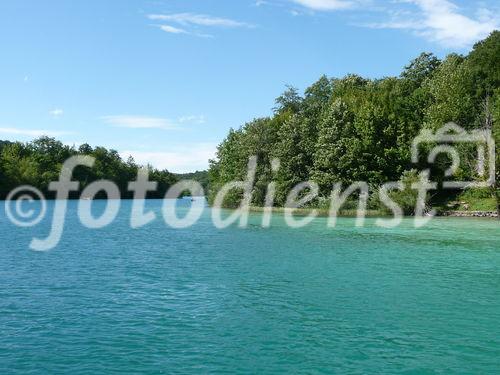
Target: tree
[(421, 68), (18, 167), (295, 150), (336, 139), (451, 90), (484, 66), (290, 100)]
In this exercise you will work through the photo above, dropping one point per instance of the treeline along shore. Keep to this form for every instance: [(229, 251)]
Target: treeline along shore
[(343, 130)]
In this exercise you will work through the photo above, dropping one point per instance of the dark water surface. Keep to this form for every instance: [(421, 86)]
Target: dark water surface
[(201, 300)]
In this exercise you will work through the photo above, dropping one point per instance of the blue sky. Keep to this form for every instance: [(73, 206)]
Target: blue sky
[(165, 80)]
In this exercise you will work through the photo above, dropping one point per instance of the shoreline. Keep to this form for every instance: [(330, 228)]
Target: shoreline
[(484, 214), (377, 213), (321, 212)]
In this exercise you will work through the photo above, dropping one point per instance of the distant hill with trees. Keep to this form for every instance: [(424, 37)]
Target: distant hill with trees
[(200, 176)]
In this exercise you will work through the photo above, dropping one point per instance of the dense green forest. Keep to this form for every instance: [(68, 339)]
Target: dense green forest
[(357, 129), (39, 162)]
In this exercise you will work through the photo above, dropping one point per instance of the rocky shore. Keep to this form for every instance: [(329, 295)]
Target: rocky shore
[(490, 214)]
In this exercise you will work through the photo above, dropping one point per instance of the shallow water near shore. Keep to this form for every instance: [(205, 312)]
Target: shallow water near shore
[(250, 300)]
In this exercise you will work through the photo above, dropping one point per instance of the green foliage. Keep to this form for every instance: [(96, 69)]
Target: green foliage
[(484, 66), (337, 141), (420, 68), (351, 129), (452, 92), (475, 200), (407, 198), (199, 176), (289, 101), (39, 162)]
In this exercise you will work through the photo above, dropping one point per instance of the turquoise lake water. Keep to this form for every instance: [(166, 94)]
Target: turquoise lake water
[(279, 300)]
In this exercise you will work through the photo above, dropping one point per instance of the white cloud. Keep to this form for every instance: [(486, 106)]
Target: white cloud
[(56, 112), (147, 122), (191, 23), (441, 21), (198, 19), (172, 30), (177, 30), (32, 132), (181, 159), (326, 4), (138, 122), (196, 119)]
